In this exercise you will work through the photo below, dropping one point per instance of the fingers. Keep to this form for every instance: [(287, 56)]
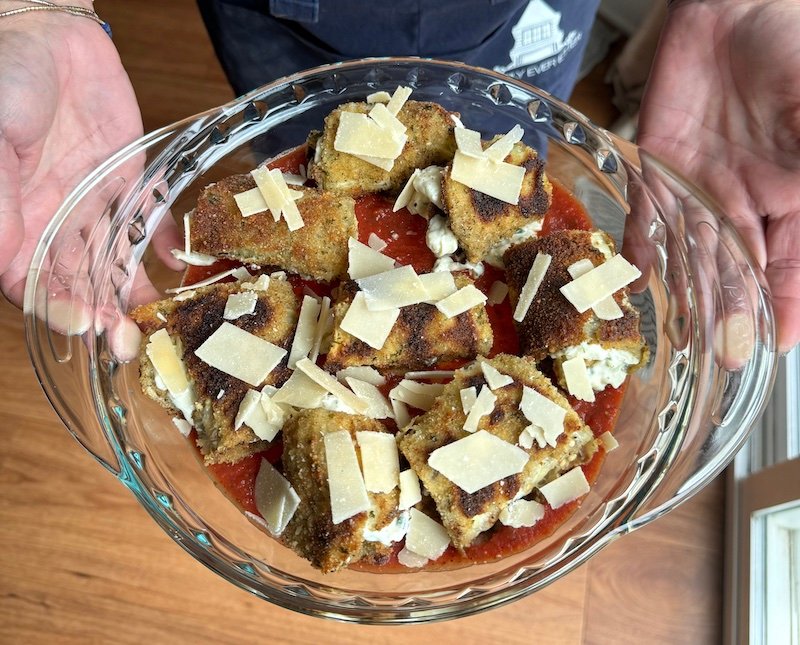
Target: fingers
[(783, 275), (165, 238), (12, 229)]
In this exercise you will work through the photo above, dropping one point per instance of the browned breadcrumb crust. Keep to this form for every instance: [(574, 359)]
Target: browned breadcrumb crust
[(480, 221), (421, 337), (189, 323), (311, 532), (466, 515), (318, 250), (552, 322), (429, 129)]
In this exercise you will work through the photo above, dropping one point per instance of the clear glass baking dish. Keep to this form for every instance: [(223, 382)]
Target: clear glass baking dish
[(705, 311)]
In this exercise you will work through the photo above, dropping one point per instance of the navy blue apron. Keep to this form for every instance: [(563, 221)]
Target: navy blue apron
[(541, 41)]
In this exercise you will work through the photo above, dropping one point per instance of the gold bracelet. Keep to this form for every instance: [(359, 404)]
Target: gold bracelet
[(45, 5)]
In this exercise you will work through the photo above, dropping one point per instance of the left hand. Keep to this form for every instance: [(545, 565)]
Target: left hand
[(723, 107)]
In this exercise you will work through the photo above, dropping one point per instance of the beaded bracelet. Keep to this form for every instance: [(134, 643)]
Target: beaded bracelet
[(45, 5)]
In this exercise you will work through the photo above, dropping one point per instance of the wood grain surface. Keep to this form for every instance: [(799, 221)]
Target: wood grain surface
[(81, 561)]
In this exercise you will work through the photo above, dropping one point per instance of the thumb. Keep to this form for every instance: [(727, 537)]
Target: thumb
[(12, 228)]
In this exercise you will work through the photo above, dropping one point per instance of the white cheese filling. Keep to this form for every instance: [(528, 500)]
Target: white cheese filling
[(605, 366), (495, 254), (447, 263), (439, 238), (390, 533)]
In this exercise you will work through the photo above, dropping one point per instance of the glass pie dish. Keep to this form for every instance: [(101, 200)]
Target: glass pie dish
[(705, 310)]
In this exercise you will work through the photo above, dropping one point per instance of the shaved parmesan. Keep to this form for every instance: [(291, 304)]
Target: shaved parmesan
[(348, 494), (398, 99), (240, 304), (497, 293), (401, 416), (364, 261), (599, 283), (525, 440), (323, 379), (240, 354), (375, 243), (193, 259), (261, 283), (378, 97), (392, 289), (577, 377), (241, 274), (469, 142), (502, 181), (468, 397), (410, 493), (609, 441), (410, 559), (543, 413), (371, 327), (567, 488), (420, 399), (380, 461), (439, 285), (203, 283), (607, 308), (532, 283), (266, 184), (362, 373), (377, 405), (292, 179), (167, 363), (431, 374), (381, 115), (251, 202), (300, 392), (183, 426), (383, 164), (462, 300), (275, 498), (425, 536), (483, 406), (358, 134), (478, 460), (304, 332), (405, 196), (521, 513), (324, 326), (494, 379), (264, 420), (428, 389), (501, 148)]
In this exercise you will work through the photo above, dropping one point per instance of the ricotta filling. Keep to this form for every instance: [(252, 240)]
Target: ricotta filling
[(447, 263), (391, 533), (439, 238), (606, 366), (495, 254)]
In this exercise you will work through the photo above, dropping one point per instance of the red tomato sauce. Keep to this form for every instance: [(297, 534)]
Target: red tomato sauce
[(404, 235)]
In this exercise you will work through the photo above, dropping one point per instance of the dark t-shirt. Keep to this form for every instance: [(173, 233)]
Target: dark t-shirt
[(540, 41)]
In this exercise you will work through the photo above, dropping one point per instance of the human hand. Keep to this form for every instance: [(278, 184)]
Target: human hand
[(66, 104), (723, 107)]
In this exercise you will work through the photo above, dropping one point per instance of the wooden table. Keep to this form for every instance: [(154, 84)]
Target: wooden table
[(80, 561)]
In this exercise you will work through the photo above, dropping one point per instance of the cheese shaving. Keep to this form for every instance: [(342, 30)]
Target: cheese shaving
[(364, 261), (275, 498), (240, 354), (577, 377), (203, 283), (380, 461), (534, 280), (327, 381), (600, 283), (371, 327), (304, 332), (426, 537), (502, 181), (478, 460), (462, 300), (494, 379), (607, 308), (410, 493), (566, 488), (483, 406), (348, 494)]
